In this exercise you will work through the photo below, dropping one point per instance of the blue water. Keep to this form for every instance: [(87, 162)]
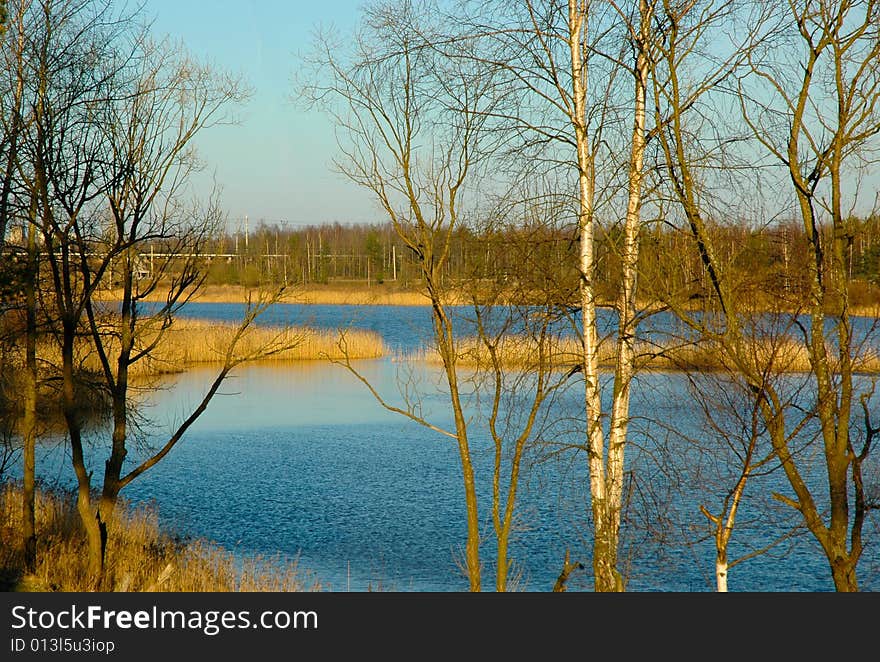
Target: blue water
[(299, 459)]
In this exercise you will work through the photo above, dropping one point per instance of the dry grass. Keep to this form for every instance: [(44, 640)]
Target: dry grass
[(193, 342), (196, 342), (140, 557), (780, 355), (359, 296), (358, 293), (785, 355), (354, 294), (513, 351)]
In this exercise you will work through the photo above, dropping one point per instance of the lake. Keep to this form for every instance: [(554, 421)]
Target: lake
[(299, 459)]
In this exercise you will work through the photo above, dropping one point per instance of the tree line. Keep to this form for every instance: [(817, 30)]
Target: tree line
[(773, 255)]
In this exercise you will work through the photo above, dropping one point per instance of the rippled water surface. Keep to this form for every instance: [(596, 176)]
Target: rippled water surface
[(299, 459)]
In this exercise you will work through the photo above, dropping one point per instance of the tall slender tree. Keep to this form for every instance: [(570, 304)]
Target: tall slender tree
[(412, 107), (105, 160), (809, 94)]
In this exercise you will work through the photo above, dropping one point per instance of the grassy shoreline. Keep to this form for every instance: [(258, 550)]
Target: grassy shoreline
[(193, 342), (359, 294), (141, 557), (785, 355)]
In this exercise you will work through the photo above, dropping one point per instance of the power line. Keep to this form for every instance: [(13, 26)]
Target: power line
[(241, 220)]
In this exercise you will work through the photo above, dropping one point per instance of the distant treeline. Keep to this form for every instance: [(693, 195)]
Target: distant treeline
[(769, 259)]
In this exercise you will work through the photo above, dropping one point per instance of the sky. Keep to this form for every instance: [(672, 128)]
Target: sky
[(275, 165)]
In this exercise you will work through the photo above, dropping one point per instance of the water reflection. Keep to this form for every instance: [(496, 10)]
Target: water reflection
[(276, 395)]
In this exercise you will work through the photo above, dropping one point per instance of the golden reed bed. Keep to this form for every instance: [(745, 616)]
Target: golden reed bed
[(312, 294), (564, 353), (195, 342), (192, 342)]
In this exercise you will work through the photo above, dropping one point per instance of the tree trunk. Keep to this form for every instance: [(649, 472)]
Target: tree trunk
[(604, 551), (443, 333), (843, 572), (502, 565), (721, 572), (91, 521), (626, 308), (29, 422), (472, 544)]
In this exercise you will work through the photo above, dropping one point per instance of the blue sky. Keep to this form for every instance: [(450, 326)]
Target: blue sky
[(276, 163)]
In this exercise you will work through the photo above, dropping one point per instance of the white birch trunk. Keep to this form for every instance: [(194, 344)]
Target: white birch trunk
[(626, 308), (577, 22), (721, 571)]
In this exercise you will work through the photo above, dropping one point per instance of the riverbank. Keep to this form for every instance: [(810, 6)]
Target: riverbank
[(141, 557), (361, 294), (355, 294)]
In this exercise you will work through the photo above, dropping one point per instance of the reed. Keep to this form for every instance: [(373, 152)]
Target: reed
[(192, 342), (778, 355), (783, 354), (140, 556), (355, 294), (360, 297), (513, 351)]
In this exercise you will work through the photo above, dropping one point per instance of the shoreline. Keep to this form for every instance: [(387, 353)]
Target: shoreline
[(360, 295), (354, 295)]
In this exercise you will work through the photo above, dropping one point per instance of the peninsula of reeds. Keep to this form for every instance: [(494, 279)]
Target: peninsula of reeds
[(191, 342), (785, 354)]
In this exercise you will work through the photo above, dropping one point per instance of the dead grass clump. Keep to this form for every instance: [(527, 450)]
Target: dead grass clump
[(776, 355), (334, 294), (191, 342)]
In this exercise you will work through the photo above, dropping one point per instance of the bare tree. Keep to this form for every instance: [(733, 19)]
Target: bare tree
[(809, 101), (832, 116), (725, 451), (106, 158), (411, 121), (14, 41), (148, 135), (566, 61)]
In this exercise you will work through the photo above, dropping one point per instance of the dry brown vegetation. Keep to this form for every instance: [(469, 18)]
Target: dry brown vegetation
[(783, 354), (140, 557), (353, 294), (360, 294), (193, 342)]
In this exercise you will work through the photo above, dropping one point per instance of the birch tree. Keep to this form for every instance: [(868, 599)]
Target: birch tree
[(567, 60)]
